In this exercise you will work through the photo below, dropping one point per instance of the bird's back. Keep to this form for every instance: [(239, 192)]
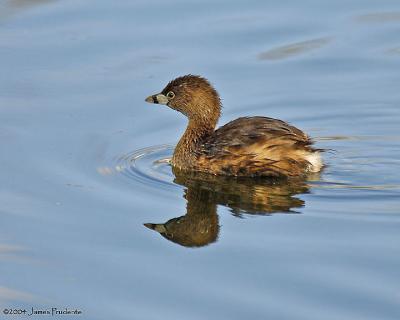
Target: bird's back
[(258, 146)]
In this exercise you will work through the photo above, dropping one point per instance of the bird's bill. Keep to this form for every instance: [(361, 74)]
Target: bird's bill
[(157, 98), (160, 228)]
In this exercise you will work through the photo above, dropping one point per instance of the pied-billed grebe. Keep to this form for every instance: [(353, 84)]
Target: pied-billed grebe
[(248, 146)]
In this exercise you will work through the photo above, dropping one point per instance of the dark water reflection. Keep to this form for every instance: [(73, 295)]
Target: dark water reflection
[(204, 192), (12, 7), (294, 49)]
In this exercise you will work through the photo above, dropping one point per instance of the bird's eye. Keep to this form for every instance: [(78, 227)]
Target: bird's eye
[(170, 95)]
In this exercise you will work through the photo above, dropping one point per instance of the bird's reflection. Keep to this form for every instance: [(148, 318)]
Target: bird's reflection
[(199, 226)]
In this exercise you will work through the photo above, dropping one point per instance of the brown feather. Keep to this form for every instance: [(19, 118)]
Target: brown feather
[(255, 146)]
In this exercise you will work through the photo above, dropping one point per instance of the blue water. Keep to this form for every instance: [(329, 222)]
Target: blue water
[(81, 165)]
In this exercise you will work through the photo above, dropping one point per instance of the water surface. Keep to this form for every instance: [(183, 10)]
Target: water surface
[(82, 160)]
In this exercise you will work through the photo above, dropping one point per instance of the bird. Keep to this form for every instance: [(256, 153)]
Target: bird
[(251, 146)]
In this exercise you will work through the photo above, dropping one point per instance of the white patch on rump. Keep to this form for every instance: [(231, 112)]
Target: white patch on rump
[(315, 160)]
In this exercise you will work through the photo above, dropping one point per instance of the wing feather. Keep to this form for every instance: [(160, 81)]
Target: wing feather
[(256, 146)]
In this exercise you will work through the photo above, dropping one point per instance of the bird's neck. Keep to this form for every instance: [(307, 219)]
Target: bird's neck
[(185, 151)]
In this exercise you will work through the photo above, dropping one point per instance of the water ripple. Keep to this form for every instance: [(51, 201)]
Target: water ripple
[(148, 166), (294, 49)]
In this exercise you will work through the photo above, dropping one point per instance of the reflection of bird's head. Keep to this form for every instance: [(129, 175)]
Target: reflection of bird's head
[(190, 230)]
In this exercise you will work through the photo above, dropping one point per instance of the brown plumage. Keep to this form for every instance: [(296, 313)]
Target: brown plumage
[(248, 146)]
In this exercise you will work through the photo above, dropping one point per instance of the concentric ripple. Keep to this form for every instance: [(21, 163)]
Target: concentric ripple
[(149, 166)]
